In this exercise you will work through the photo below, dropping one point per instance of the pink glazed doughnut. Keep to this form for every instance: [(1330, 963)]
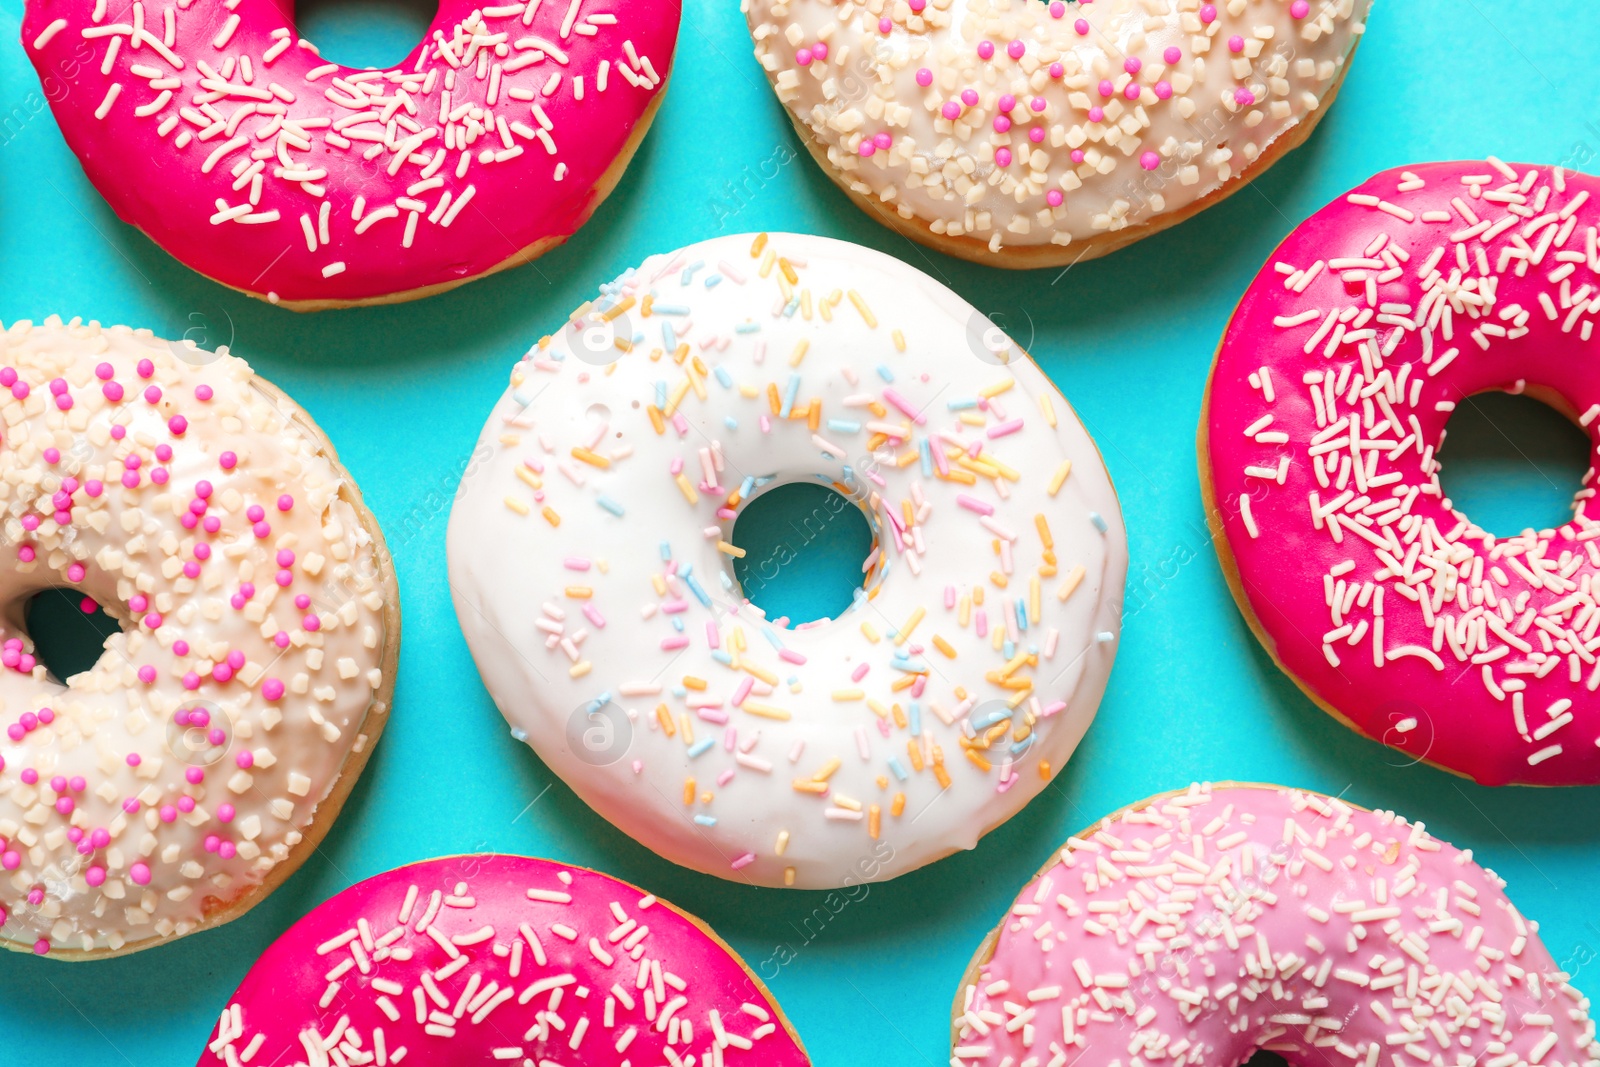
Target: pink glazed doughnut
[(226, 138), (489, 959), (1318, 449), (1196, 927)]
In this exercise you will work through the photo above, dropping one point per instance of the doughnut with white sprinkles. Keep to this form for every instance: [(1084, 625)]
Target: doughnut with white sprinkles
[(1319, 454), (1025, 134), (204, 755), (1196, 927), (591, 549), (223, 135), (490, 959)]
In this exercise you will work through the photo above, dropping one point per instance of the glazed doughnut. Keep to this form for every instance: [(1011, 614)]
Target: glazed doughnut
[(1197, 927), (1319, 449), (188, 772), (226, 138), (1021, 134), (600, 527), (500, 959)]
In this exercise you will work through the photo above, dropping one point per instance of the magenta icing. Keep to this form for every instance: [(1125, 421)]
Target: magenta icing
[(1217, 921), (1422, 287), (508, 960), (239, 150)]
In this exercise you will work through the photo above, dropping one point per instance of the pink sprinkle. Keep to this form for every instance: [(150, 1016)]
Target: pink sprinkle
[(1299, 9), (924, 77), (969, 97), (1149, 161), (592, 613), (1163, 90), (245, 759), (742, 690), (1082, 26), (972, 503), (905, 407), (743, 861), (1236, 43), (225, 813), (677, 641), (1208, 13), (1107, 88), (985, 50), (789, 655), (1172, 54), (1244, 96), (272, 689), (140, 874), (1053, 197), (1002, 157), (1005, 429), (860, 672), (1016, 49)]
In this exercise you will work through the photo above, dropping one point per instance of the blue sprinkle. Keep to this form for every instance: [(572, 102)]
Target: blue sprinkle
[(678, 691), (1008, 648), (986, 721), (916, 719), (898, 768), (790, 393), (705, 820), (723, 376), (961, 405), (677, 623), (926, 451), (694, 587), (791, 307), (745, 487), (1022, 614), (519, 734), (1105, 637), (772, 639), (713, 281), (666, 550), (730, 422), (669, 340), (722, 657), (700, 746), (747, 327), (661, 395), (1099, 523), (727, 582), (1022, 746), (688, 272), (844, 426), (885, 373), (610, 505), (669, 309)]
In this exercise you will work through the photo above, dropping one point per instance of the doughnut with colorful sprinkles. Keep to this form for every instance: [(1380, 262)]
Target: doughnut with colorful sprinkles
[(1319, 455), (488, 959), (1024, 134), (591, 559), (1196, 927), (202, 758), (223, 135)]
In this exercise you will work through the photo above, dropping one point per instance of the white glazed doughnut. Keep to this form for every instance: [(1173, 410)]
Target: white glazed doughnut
[(590, 559), (1022, 134), (204, 755)]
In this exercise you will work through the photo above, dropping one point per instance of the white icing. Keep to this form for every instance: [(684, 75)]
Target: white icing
[(738, 323), (942, 172)]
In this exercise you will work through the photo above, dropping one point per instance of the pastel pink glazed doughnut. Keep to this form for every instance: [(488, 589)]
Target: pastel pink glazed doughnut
[(227, 139), (1318, 449), (1196, 927), (172, 785), (489, 959)]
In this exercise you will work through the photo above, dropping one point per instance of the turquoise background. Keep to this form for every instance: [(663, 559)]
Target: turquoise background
[(403, 391)]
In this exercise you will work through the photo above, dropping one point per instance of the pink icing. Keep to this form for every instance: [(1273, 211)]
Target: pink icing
[(239, 150), (502, 953), (1443, 280), (1215, 922)]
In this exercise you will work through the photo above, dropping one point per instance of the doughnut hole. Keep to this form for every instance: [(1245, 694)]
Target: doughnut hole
[(364, 33), (805, 545), (1512, 462), (69, 630)]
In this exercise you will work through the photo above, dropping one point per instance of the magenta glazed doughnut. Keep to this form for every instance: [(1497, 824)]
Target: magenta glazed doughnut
[(490, 959), (224, 136), (1196, 927), (1318, 449)]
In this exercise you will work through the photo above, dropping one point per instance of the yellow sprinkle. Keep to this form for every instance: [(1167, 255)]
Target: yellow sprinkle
[(788, 876), (866, 312), (644, 306), (806, 785), (999, 579), (1044, 769), (1060, 476), (972, 418), (847, 803), (783, 843), (511, 440), (848, 694), (788, 271), (687, 489), (691, 682), (579, 592), (593, 459), (1071, 583), (799, 352), (827, 770), (982, 764), (964, 610), (898, 805), (997, 388), (870, 632), (756, 669), (620, 307), (550, 515), (757, 245), (1043, 526), (878, 709), (730, 550), (531, 478), (680, 353), (942, 775), (766, 711), (906, 681), (664, 717), (688, 791), (517, 505), (686, 726), (1033, 601), (675, 398), (874, 821), (768, 258), (579, 669), (911, 624), (1047, 406), (657, 423), (944, 646), (899, 341)]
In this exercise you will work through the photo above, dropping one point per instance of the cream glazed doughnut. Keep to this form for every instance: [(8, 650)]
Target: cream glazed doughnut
[(189, 771), (1197, 927), (1326, 410), (600, 527), (1021, 134), (225, 137), (500, 959)]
